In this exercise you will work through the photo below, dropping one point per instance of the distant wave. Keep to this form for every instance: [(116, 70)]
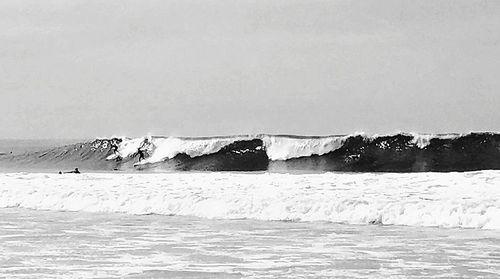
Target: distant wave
[(403, 152)]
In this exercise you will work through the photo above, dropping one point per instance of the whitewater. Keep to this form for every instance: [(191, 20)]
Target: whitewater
[(452, 200)]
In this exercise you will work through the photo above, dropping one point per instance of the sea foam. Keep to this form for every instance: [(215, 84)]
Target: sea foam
[(455, 200), (285, 147)]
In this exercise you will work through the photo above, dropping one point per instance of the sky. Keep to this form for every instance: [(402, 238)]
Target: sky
[(83, 69)]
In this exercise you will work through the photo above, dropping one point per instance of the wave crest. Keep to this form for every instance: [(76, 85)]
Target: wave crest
[(359, 153)]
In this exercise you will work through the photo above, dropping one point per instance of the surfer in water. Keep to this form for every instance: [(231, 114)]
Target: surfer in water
[(73, 171)]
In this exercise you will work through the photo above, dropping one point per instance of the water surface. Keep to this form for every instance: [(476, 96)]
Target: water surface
[(51, 244)]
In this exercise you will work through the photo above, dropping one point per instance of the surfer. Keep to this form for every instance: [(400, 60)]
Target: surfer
[(142, 150), (141, 154), (114, 147), (73, 171)]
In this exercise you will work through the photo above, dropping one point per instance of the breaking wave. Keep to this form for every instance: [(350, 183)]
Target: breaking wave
[(457, 200), (357, 153)]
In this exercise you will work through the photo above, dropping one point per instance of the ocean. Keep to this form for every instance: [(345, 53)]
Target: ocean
[(316, 207)]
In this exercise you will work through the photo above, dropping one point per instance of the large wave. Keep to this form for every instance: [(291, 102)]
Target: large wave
[(358, 153)]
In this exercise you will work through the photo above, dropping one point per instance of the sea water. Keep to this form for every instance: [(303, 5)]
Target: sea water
[(250, 225), (51, 244)]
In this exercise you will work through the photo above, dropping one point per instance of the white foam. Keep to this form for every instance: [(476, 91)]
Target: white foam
[(465, 200), (423, 140), (284, 148)]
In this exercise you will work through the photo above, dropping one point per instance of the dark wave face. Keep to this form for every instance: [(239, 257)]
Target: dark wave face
[(351, 153), (399, 154)]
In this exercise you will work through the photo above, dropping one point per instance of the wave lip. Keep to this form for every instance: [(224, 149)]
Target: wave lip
[(453, 200), (423, 140), (168, 148), (281, 148)]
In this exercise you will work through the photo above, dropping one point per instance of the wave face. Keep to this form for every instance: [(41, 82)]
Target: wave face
[(457, 200), (351, 153)]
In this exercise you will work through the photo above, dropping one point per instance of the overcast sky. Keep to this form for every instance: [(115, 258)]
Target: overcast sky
[(80, 69)]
